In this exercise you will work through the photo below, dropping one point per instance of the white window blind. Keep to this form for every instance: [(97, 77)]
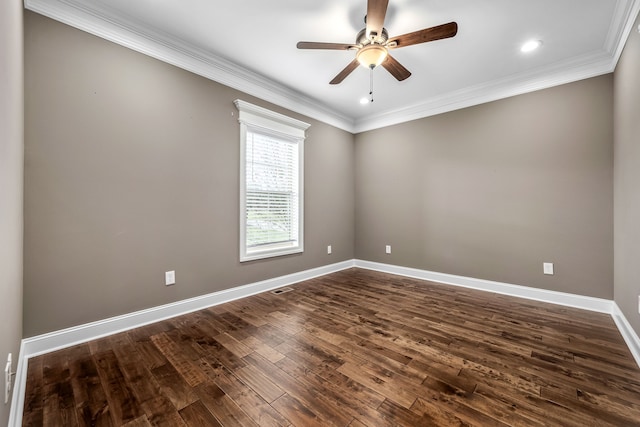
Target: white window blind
[(271, 183), (272, 191)]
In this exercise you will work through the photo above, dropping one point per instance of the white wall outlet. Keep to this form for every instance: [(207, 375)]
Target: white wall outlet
[(8, 373), (547, 268), (329, 250), (170, 278), (638, 304), (387, 249)]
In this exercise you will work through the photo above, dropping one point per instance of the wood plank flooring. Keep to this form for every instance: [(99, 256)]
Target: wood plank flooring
[(354, 348)]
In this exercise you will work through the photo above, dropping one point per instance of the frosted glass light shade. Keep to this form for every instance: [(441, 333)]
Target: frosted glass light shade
[(371, 55)]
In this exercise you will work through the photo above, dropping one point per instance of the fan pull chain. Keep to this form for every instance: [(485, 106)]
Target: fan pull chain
[(371, 85)]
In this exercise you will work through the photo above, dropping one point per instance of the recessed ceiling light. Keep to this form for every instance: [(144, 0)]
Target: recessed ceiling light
[(364, 101), (531, 45)]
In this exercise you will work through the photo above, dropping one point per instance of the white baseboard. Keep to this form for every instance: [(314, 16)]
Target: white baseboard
[(561, 298), (627, 332), (19, 389), (56, 340), (41, 344)]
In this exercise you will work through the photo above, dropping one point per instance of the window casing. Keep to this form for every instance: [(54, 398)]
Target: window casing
[(271, 183)]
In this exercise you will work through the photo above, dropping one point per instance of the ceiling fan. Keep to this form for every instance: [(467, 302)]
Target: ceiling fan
[(373, 43)]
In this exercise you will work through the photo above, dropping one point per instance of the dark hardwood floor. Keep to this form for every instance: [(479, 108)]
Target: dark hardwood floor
[(354, 348)]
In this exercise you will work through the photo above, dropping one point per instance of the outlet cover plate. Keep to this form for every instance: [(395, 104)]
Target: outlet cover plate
[(170, 278), (388, 249), (547, 268), (329, 250), (7, 379)]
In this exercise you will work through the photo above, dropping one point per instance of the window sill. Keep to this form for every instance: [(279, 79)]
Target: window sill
[(270, 253)]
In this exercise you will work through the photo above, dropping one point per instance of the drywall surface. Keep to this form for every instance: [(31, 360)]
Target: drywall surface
[(495, 190), (132, 169), (11, 168), (627, 180)]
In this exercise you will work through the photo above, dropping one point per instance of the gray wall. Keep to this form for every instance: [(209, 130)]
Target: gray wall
[(494, 191), (11, 154), (131, 169), (627, 180)]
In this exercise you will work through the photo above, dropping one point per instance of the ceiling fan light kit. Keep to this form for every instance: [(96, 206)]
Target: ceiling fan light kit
[(372, 55), (373, 43)]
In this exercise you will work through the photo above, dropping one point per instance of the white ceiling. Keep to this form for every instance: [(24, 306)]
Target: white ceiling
[(251, 45)]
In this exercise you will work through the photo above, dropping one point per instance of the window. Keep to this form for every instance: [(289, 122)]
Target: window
[(271, 183)]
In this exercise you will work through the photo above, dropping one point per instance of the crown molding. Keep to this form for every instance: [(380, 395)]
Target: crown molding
[(557, 74), (621, 26), (133, 35), (568, 71)]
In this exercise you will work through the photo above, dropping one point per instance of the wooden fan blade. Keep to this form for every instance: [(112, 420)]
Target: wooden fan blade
[(344, 73), (422, 36), (376, 11), (396, 69), (331, 46)]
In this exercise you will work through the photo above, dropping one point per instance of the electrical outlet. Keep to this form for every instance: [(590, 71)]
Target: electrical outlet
[(547, 268), (638, 304), (170, 278), (329, 250), (387, 249), (8, 373)]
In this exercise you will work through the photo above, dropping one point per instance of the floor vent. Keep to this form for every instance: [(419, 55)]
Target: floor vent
[(281, 291)]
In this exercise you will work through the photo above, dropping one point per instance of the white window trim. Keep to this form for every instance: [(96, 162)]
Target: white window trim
[(254, 117)]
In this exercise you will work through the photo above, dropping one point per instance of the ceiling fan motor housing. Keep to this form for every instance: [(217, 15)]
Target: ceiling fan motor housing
[(362, 39)]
